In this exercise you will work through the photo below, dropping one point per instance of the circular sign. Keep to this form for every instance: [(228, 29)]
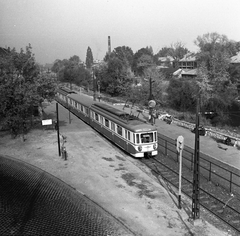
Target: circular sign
[(151, 103), (180, 143)]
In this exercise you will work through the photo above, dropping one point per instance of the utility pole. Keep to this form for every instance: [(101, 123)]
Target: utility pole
[(150, 89), (59, 149), (196, 173), (94, 86)]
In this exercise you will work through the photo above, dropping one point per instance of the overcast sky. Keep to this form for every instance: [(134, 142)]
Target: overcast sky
[(59, 29)]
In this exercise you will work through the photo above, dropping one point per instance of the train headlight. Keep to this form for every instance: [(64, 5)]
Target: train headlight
[(155, 146), (139, 148)]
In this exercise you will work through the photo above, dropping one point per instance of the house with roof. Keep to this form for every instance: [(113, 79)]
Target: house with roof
[(187, 66), (235, 59)]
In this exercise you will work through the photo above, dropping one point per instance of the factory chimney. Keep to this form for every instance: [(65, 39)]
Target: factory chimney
[(109, 45)]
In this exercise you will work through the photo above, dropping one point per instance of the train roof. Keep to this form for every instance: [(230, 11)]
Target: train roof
[(125, 119), (82, 99), (65, 90)]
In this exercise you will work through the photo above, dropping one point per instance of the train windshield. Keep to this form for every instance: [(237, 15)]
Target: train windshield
[(147, 137)]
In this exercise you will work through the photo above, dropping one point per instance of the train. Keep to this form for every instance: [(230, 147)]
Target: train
[(135, 136)]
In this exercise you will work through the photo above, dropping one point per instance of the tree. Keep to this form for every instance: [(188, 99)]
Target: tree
[(182, 94), (114, 77), (176, 51), (124, 54), (21, 88), (136, 59), (89, 58)]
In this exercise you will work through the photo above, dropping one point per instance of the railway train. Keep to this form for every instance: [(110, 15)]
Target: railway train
[(135, 136)]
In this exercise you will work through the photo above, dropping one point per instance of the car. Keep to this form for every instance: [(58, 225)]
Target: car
[(201, 130)]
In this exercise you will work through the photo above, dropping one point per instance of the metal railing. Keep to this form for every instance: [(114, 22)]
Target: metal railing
[(211, 168)]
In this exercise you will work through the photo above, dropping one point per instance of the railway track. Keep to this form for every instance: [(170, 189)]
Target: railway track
[(213, 198)]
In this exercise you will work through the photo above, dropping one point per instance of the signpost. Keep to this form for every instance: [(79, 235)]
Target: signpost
[(179, 146)]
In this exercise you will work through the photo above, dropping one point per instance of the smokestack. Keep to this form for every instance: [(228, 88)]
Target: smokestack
[(109, 45)]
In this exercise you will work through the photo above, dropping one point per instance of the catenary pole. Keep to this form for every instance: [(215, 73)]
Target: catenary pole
[(59, 149), (196, 173)]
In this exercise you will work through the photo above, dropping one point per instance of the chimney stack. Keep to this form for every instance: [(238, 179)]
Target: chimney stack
[(109, 45)]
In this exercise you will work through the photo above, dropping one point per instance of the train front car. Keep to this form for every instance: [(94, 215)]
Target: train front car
[(145, 141)]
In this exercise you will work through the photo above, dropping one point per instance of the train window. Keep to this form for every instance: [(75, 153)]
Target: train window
[(155, 135), (137, 138), (96, 117), (76, 104), (107, 123), (86, 110), (101, 119), (125, 134), (112, 126), (146, 138), (82, 108), (119, 129), (128, 137)]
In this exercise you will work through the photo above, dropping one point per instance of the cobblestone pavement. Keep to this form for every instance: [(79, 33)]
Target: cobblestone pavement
[(33, 202)]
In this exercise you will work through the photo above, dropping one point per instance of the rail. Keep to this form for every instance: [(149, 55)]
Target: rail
[(211, 169)]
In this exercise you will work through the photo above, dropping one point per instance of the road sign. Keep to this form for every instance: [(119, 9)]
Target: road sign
[(151, 103), (47, 122), (180, 143)]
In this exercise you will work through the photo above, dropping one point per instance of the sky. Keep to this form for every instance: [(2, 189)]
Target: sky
[(59, 29)]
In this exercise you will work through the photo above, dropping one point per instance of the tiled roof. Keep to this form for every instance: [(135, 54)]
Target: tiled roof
[(182, 72), (189, 72), (236, 59), (189, 57)]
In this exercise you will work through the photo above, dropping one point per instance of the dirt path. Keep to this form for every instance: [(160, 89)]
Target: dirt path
[(118, 183)]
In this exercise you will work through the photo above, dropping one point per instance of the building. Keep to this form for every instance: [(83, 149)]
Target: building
[(187, 66), (235, 59)]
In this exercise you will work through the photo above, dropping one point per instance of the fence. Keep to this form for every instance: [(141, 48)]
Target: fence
[(212, 169)]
